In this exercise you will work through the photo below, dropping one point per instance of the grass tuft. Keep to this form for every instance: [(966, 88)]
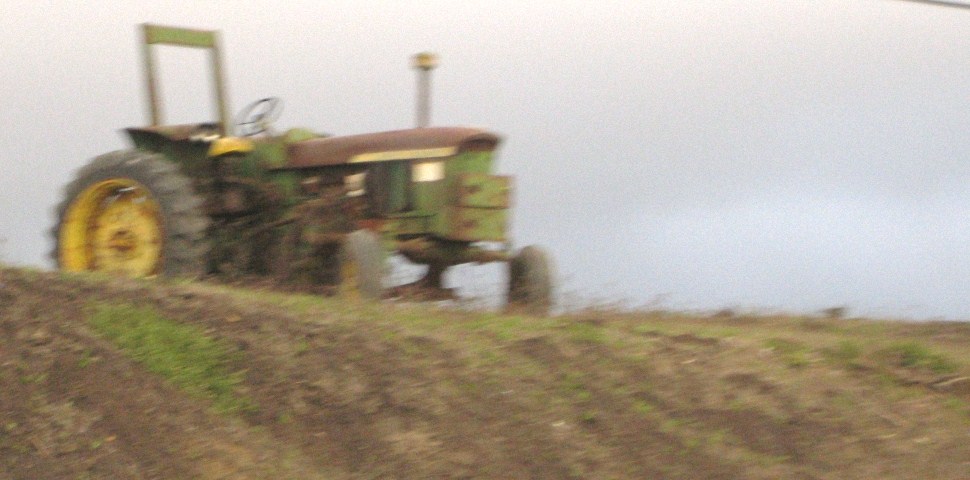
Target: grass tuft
[(845, 353), (916, 355), (586, 333), (643, 408), (795, 354), (183, 354), (958, 405)]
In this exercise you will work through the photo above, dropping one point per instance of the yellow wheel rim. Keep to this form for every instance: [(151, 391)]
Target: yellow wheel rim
[(113, 226)]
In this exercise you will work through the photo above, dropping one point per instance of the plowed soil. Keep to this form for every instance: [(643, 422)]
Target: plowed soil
[(400, 391)]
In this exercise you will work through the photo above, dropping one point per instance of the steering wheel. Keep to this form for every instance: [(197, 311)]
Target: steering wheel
[(258, 116)]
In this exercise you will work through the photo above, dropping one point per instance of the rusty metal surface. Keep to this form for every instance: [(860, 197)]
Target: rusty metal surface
[(481, 190), (340, 150), (476, 224)]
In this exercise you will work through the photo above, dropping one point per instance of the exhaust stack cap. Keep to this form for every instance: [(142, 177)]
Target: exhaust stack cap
[(425, 61)]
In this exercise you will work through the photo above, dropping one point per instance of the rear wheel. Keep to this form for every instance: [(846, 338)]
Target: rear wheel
[(131, 213), (531, 274)]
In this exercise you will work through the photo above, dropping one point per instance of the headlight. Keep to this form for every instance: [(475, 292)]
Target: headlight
[(428, 171)]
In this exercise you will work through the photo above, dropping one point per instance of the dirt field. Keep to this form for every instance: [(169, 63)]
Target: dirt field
[(395, 391)]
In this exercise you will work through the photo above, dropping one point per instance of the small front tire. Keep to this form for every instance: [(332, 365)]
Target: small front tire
[(361, 260), (531, 277)]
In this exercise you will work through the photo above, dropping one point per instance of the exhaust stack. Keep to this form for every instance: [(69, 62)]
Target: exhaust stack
[(424, 63)]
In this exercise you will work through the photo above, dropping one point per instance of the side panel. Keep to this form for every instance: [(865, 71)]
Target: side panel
[(468, 162), (475, 224), (484, 191), (408, 225), (478, 211), (429, 196)]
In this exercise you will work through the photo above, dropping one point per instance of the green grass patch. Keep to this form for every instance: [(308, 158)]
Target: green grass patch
[(845, 401), (181, 353), (782, 345), (506, 328), (643, 407), (718, 332), (33, 378), (670, 425), (660, 328), (503, 328), (285, 418), (958, 405), (845, 353), (87, 357), (422, 319), (573, 385), (302, 347), (795, 354), (301, 303), (916, 355), (585, 332)]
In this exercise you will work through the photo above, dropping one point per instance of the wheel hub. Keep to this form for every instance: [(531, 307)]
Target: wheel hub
[(123, 243)]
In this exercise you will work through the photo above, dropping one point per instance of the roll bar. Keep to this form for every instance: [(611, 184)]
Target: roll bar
[(184, 37)]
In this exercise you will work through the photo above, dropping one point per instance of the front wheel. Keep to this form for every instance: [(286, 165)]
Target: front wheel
[(531, 277), (131, 213), (361, 265)]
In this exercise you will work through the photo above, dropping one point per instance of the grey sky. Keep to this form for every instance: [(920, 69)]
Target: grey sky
[(780, 154)]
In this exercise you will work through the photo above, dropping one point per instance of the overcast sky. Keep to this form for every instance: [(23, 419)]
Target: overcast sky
[(754, 154)]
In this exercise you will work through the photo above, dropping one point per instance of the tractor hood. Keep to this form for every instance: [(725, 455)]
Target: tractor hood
[(410, 144)]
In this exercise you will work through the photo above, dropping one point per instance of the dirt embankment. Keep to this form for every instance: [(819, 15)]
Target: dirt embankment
[(403, 391)]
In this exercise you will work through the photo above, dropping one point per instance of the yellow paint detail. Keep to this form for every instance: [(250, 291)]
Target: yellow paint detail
[(404, 154), (225, 145), (112, 226)]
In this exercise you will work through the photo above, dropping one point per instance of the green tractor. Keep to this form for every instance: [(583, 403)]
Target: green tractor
[(303, 208)]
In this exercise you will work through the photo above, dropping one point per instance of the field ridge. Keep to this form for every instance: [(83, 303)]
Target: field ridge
[(303, 386)]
